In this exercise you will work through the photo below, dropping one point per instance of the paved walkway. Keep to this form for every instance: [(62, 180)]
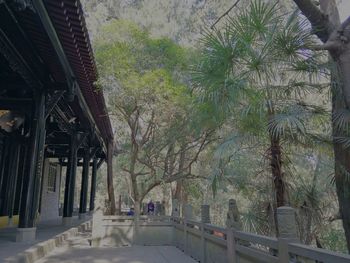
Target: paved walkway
[(45, 230), (78, 250), (135, 254)]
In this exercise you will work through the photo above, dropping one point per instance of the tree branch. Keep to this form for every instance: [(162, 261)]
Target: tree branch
[(225, 14), (318, 20), (329, 46), (345, 24)]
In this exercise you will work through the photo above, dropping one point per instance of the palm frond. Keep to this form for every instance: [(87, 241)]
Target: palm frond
[(288, 122), (344, 141), (341, 120)]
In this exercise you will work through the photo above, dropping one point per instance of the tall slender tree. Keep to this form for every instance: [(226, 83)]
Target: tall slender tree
[(335, 36), (259, 65)]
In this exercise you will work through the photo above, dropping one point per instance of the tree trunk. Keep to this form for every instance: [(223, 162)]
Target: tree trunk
[(135, 195), (180, 194), (340, 80), (110, 185), (277, 174), (342, 169)]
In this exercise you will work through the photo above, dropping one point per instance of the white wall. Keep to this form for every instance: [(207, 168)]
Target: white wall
[(49, 199)]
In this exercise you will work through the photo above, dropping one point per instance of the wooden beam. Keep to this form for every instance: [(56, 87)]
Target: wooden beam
[(52, 102)]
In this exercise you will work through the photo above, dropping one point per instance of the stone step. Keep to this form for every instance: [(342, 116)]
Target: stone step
[(42, 249)]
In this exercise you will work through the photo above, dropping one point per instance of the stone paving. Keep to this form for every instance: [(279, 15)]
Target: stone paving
[(78, 250), (135, 254), (45, 230)]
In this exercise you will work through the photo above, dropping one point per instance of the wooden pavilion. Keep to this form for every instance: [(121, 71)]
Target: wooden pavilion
[(51, 115)]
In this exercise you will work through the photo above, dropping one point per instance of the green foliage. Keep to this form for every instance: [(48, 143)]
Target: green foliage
[(254, 79), (161, 132), (333, 239), (259, 72)]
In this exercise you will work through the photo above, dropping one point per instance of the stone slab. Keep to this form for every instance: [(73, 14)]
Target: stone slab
[(139, 254)]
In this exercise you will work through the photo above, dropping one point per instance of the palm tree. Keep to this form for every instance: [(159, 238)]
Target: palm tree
[(259, 64)]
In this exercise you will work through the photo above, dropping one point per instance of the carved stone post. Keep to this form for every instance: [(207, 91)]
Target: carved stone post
[(205, 214), (232, 224), (287, 231), (232, 220)]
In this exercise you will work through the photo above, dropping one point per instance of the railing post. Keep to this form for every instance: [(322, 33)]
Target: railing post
[(232, 224), (97, 227), (205, 219), (287, 232), (187, 216)]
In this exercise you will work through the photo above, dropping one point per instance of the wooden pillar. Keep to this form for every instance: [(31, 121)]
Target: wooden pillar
[(4, 145), (20, 178), (70, 181), (5, 178), (84, 184), (33, 171), (93, 184)]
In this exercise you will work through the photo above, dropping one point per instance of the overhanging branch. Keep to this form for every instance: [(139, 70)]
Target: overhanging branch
[(318, 20)]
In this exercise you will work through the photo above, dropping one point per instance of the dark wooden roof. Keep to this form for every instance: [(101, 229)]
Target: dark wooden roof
[(68, 20)]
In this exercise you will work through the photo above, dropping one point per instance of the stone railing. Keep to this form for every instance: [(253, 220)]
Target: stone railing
[(124, 231), (209, 243)]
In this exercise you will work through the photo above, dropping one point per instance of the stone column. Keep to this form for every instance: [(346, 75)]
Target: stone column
[(287, 231)]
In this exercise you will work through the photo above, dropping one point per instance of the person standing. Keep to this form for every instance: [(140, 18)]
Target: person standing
[(150, 208)]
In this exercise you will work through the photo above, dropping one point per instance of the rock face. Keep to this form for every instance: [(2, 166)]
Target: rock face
[(183, 21)]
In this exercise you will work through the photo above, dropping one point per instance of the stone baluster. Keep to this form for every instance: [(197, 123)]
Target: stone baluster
[(205, 214), (287, 232)]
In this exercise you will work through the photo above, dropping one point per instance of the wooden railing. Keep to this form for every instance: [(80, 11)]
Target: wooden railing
[(208, 243)]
